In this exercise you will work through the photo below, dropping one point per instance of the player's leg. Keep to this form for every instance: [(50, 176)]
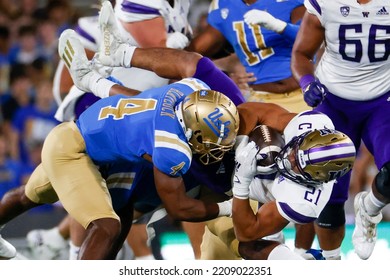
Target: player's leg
[(37, 191), (368, 206), (267, 250), (89, 203), (47, 244)]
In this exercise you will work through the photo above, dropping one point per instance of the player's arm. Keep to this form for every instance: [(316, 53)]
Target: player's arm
[(309, 40), (207, 43), (250, 226), (255, 113), (180, 206)]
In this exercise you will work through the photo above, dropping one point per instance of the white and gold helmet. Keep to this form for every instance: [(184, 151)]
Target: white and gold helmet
[(210, 121), (316, 157)]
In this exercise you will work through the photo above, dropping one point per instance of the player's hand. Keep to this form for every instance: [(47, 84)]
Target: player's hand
[(314, 93), (266, 170), (177, 40), (245, 170), (265, 19)]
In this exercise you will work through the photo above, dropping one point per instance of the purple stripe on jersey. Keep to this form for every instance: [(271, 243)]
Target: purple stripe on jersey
[(316, 6), (85, 34), (299, 218), (138, 9), (330, 147)]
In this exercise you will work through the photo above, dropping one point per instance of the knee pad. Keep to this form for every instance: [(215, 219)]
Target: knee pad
[(382, 180), (332, 216)]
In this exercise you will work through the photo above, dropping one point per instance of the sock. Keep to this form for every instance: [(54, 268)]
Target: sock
[(217, 80), (372, 204), (73, 251), (332, 254), (300, 251), (282, 252), (145, 258), (55, 239)]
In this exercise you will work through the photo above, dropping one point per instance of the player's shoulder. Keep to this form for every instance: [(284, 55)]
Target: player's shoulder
[(219, 4), (316, 6)]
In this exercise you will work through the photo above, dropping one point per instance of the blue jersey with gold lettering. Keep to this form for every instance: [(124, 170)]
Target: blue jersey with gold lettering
[(121, 128), (264, 52)]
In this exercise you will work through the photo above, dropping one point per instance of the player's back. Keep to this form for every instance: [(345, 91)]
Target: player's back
[(126, 128), (356, 55)]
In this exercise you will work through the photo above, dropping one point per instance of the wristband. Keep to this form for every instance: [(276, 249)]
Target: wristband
[(225, 208), (306, 80), (290, 32)]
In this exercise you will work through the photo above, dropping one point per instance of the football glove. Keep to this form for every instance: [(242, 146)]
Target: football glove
[(313, 91), (177, 40), (245, 170), (265, 19)]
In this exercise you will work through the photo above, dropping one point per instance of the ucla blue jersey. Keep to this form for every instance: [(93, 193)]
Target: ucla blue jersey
[(264, 52), (121, 128)]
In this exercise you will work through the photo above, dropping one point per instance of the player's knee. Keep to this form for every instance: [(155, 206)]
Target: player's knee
[(382, 180), (332, 216), (108, 227)]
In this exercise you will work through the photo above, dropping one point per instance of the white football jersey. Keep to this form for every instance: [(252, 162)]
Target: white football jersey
[(88, 32), (356, 63), (296, 203), (176, 17)]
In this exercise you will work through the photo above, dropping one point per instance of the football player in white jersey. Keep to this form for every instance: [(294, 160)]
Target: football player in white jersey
[(285, 196), (351, 85)]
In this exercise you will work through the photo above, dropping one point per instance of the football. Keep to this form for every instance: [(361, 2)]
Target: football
[(269, 141)]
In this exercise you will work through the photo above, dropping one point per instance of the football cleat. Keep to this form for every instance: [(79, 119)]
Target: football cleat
[(7, 250), (364, 234), (313, 255), (73, 54), (46, 244), (113, 51)]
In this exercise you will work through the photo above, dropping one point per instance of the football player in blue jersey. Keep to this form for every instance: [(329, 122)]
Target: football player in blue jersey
[(163, 126), (351, 85), (262, 34)]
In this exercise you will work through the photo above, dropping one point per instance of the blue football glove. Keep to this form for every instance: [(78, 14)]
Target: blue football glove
[(313, 91)]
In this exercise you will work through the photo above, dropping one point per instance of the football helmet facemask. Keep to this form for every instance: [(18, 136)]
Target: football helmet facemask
[(210, 122), (316, 157)]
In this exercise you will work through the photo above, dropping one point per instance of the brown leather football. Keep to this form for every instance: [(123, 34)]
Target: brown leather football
[(269, 141)]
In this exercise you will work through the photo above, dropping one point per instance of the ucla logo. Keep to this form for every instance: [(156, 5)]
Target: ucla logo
[(224, 13), (215, 123), (344, 11), (203, 93)]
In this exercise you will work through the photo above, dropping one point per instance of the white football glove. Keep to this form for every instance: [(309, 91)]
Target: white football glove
[(245, 170), (241, 142), (177, 40), (266, 170), (225, 208), (264, 19)]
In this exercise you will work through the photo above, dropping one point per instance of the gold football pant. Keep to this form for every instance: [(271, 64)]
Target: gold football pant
[(68, 174), (292, 101), (219, 241)]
